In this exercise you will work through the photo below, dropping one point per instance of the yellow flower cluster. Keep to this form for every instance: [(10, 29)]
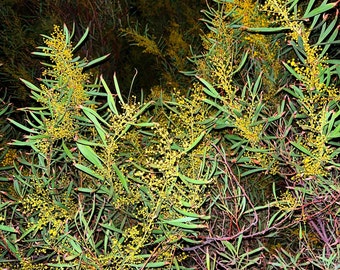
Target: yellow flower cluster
[(132, 240), (177, 48), (157, 170), (315, 91), (158, 92), (222, 74), (68, 73), (261, 47), (26, 264), (49, 215), (115, 257), (218, 64), (66, 93), (248, 131), (265, 160), (9, 157), (314, 165), (311, 238), (309, 69), (287, 202), (313, 64), (149, 45), (64, 129)]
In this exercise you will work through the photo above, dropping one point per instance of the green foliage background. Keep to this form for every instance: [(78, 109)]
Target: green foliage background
[(216, 165)]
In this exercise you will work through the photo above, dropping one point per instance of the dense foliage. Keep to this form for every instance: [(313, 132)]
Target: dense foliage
[(234, 166)]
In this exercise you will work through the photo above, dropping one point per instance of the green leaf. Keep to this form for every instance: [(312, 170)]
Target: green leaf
[(191, 214), (142, 109), (96, 61), (150, 265), (111, 102), (121, 177), (217, 106), (115, 81), (276, 217), (309, 6), (302, 148), (66, 150), (85, 142), (42, 54), (22, 126), (210, 90), (89, 171), (67, 34), (90, 112), (111, 228), (71, 257), (180, 223), (44, 48), (326, 31), (37, 119), (81, 40), (142, 124), (182, 219), (85, 190), (264, 30), (73, 30), (4, 205), (13, 248), (29, 230), (230, 247), (292, 71), (7, 229), (256, 170), (197, 140), (321, 9), (334, 115), (94, 116), (257, 85), (329, 42), (88, 153), (75, 246), (193, 181), (243, 61), (335, 133), (191, 241), (296, 93), (30, 85)]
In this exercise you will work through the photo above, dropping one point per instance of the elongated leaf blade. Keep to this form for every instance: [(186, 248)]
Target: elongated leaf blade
[(88, 171), (6, 228), (193, 181), (110, 100), (321, 9), (115, 81), (121, 177), (84, 36), (302, 149), (195, 142), (210, 90), (30, 85), (96, 61), (22, 126), (191, 214)]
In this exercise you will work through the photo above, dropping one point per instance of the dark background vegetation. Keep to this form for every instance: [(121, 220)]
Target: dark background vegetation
[(22, 22)]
